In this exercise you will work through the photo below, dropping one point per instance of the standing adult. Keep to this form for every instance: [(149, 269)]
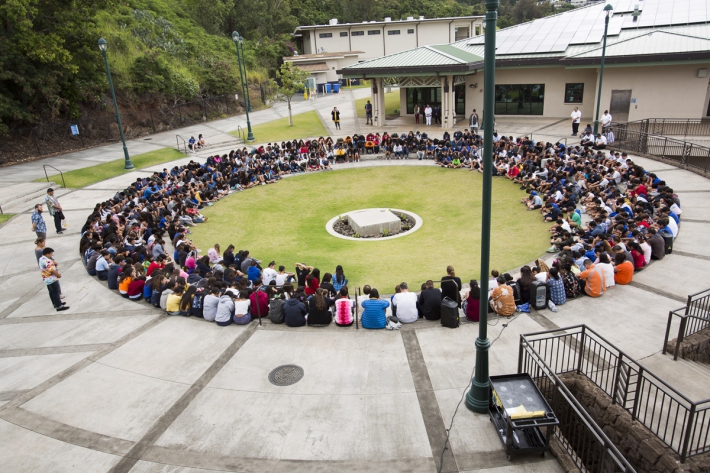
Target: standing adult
[(50, 277), (55, 209), (427, 114), (473, 122), (368, 113), (38, 225), (416, 113), (335, 115), (576, 117), (437, 114), (606, 120)]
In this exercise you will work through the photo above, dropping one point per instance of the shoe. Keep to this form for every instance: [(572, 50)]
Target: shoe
[(64, 307), (552, 306), (552, 249), (60, 232)]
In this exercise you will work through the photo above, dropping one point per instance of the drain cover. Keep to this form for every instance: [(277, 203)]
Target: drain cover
[(286, 375)]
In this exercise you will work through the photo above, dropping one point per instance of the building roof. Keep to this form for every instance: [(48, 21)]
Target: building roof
[(315, 67), (311, 57), (438, 58), (392, 22), (660, 30)]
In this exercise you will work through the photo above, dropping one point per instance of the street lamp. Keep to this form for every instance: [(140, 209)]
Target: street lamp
[(477, 398), (239, 43), (103, 46), (608, 8)]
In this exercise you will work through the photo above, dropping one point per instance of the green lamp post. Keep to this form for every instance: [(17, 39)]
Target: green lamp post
[(608, 8), (239, 42), (103, 46), (477, 397)]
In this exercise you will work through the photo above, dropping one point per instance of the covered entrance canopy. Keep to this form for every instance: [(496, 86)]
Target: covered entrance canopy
[(434, 75)]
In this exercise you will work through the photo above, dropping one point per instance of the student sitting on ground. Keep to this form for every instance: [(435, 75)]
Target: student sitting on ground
[(374, 315), (344, 308), (406, 304), (502, 299)]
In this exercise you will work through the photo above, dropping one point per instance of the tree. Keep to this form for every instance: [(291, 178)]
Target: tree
[(292, 80)]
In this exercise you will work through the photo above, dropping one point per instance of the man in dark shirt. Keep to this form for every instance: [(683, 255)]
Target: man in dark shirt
[(430, 302), (302, 272), (658, 244)]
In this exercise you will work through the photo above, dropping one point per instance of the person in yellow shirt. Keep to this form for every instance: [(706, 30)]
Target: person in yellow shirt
[(595, 282), (172, 305)]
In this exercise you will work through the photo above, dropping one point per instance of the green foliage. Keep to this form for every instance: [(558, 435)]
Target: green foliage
[(292, 79)]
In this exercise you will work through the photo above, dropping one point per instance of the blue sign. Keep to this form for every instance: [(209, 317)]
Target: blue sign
[(75, 130)]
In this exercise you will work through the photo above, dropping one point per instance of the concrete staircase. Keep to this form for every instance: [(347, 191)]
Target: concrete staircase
[(690, 378), (18, 198)]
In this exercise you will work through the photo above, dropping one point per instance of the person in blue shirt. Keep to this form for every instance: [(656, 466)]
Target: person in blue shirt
[(374, 315), (253, 272)]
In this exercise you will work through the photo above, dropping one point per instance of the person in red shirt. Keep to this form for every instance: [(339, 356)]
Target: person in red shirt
[(157, 264), (259, 306), (312, 282), (513, 172)]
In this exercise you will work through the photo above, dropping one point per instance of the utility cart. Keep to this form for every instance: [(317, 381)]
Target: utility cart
[(521, 415)]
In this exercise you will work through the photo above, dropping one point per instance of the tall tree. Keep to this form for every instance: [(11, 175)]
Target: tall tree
[(292, 79)]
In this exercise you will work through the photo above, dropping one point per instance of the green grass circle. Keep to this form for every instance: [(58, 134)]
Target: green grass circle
[(285, 222)]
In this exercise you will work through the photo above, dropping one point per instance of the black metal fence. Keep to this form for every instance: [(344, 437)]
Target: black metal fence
[(23, 144), (694, 317), (683, 154), (583, 439), (672, 126), (682, 424)]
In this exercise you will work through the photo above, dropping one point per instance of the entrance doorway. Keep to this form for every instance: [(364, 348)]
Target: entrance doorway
[(620, 105)]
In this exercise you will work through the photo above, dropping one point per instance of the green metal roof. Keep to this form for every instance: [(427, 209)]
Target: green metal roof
[(439, 55)]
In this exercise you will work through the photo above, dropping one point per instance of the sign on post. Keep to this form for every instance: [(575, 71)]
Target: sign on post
[(75, 130)]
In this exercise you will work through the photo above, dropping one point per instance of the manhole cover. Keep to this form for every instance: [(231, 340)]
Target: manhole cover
[(286, 375)]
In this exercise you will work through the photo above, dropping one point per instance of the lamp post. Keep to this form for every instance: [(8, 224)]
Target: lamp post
[(477, 397), (608, 8), (239, 43), (103, 46)]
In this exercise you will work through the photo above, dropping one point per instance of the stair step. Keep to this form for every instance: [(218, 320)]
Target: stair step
[(688, 377)]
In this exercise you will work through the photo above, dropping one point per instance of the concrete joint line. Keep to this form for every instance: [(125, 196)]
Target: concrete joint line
[(167, 419), (4, 277), (76, 316), (52, 350), (691, 255), (542, 320), (19, 302), (56, 379), (10, 395), (428, 405), (693, 220), (654, 290)]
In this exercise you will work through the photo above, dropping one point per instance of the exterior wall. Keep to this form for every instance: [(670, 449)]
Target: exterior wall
[(435, 33), (660, 91), (333, 44), (371, 45), (402, 41)]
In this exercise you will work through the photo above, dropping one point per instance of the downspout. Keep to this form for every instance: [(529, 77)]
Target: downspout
[(384, 48), (350, 43), (417, 33), (315, 41), (450, 30)]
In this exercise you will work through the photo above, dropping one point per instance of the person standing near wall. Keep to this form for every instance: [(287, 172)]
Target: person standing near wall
[(427, 114), (55, 209), (416, 113), (473, 122), (335, 114), (576, 118), (368, 113)]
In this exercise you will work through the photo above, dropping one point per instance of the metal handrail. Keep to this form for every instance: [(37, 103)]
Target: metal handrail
[(177, 140), (670, 415), (240, 132), (699, 323), (45, 166), (564, 138)]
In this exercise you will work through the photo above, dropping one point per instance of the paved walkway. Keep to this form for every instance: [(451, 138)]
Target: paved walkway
[(114, 386)]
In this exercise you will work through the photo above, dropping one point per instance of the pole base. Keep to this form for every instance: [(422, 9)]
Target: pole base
[(129, 165), (478, 397), (250, 137)]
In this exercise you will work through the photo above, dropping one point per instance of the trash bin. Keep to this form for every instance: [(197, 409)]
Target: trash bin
[(336, 88), (327, 88), (321, 88)]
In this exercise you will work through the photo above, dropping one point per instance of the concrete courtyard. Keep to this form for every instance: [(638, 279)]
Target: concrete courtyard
[(117, 386)]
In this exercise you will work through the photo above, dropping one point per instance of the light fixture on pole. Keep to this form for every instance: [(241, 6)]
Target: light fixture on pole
[(608, 9), (103, 46), (239, 43), (477, 398)]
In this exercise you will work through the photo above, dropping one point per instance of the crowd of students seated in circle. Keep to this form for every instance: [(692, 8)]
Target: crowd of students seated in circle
[(633, 214)]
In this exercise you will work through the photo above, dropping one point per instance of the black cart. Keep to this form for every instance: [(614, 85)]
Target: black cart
[(521, 415)]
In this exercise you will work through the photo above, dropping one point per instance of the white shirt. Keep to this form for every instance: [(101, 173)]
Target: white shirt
[(601, 140), (427, 111), (673, 226), (576, 116), (675, 209), (406, 303), (608, 271), (281, 279), (268, 276), (606, 119)]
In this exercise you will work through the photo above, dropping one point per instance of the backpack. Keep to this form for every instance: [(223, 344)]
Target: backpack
[(449, 313), (276, 311), (196, 307)]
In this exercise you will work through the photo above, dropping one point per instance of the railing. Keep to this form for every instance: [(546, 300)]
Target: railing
[(45, 166), (672, 126), (684, 154), (240, 132), (695, 317), (585, 441), (682, 424), (179, 138)]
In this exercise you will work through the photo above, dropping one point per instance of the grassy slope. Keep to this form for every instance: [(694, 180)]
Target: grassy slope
[(5, 217), (286, 223), (87, 176), (391, 104), (305, 125)]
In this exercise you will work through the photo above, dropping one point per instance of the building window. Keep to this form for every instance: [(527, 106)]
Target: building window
[(393, 32), (325, 35), (343, 33), (574, 93), (524, 99), (410, 31), (461, 33), (373, 32), (478, 30), (357, 33)]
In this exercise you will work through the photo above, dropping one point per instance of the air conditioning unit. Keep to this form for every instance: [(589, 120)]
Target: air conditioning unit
[(388, 19), (333, 22)]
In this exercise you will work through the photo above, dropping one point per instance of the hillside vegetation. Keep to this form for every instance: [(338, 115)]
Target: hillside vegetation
[(166, 51)]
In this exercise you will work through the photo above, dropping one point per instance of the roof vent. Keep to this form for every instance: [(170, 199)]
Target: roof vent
[(333, 22), (636, 13), (410, 18), (421, 17), (388, 19)]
